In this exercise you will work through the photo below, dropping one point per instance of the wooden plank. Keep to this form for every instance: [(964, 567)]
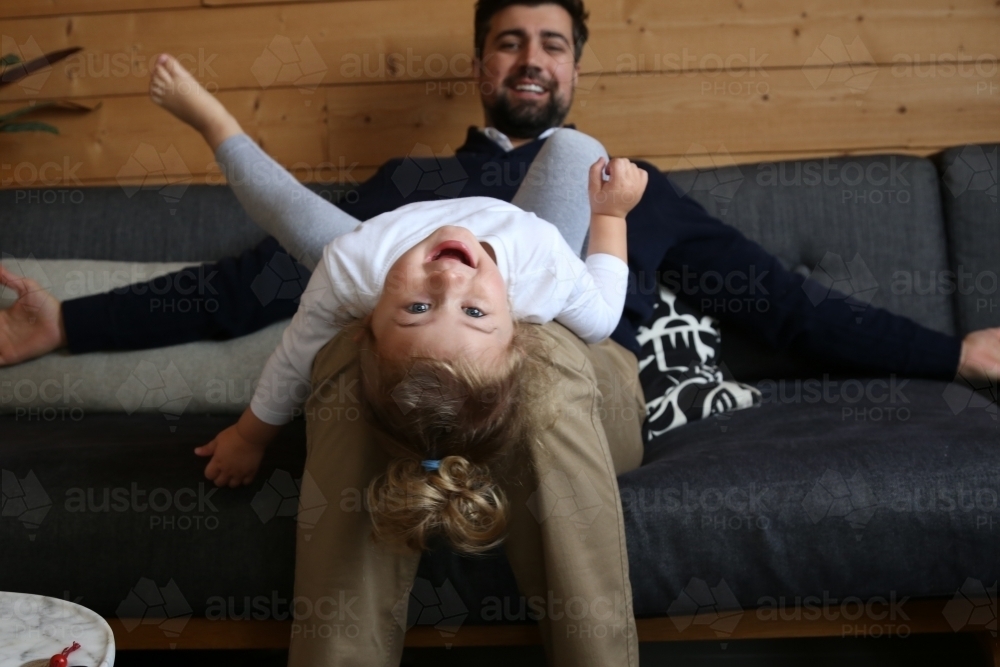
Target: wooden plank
[(237, 3), (674, 114), (696, 160), (742, 40), (239, 48), (666, 115), (917, 617), (402, 40), (36, 8), (100, 145)]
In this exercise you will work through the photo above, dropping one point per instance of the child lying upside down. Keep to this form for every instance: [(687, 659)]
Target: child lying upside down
[(444, 297)]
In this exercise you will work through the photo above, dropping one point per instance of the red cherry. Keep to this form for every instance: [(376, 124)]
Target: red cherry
[(62, 659)]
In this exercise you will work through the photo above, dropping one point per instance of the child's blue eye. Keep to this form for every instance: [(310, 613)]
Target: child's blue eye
[(417, 308), (474, 312)]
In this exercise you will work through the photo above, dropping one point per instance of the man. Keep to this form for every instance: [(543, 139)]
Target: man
[(527, 68)]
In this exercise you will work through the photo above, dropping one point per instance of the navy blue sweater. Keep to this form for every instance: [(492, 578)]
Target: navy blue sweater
[(669, 235)]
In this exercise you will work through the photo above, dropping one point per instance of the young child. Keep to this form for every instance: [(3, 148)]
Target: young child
[(443, 297)]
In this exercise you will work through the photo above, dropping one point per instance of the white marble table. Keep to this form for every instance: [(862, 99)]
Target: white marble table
[(33, 628)]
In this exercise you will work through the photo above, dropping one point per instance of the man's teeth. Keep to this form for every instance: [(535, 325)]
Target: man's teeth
[(531, 88)]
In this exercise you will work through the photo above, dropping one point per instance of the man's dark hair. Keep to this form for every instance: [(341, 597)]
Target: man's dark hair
[(486, 9)]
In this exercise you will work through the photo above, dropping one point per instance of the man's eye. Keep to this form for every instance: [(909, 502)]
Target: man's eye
[(417, 308), (474, 312)]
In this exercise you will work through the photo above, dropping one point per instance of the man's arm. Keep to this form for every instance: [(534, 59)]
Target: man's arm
[(237, 296), (229, 298), (673, 234)]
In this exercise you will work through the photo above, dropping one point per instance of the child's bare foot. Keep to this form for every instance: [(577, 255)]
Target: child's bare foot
[(33, 325), (173, 88)]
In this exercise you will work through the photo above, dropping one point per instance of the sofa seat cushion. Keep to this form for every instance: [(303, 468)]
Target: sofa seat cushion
[(206, 376), (819, 493), (789, 499)]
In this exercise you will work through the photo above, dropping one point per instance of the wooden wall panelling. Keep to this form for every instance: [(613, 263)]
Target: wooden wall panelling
[(235, 3), (31, 8), (96, 147), (672, 114), (351, 42), (650, 117)]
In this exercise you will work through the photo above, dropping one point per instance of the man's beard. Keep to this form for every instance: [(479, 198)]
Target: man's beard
[(526, 120)]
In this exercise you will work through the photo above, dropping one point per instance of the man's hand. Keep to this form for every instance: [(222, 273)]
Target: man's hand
[(33, 326), (236, 452), (981, 355), (619, 195)]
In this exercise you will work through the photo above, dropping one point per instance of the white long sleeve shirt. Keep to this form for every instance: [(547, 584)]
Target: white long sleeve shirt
[(545, 281)]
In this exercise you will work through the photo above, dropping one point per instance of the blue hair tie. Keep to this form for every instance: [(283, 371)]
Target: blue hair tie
[(431, 464)]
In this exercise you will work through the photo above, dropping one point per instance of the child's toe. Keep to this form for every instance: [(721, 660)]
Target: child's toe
[(159, 79), (174, 66)]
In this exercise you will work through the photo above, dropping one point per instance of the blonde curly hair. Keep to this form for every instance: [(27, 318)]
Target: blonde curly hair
[(470, 418)]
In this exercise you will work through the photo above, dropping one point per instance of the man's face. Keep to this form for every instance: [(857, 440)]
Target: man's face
[(527, 73)]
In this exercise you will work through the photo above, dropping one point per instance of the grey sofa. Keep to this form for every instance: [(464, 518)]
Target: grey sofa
[(838, 489)]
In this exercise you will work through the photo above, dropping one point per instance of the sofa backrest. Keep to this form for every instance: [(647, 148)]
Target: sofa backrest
[(879, 219), (972, 214), (865, 222)]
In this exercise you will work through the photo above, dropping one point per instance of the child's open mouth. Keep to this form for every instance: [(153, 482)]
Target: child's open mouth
[(452, 250)]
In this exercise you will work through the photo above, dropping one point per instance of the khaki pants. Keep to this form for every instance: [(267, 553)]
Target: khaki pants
[(566, 539)]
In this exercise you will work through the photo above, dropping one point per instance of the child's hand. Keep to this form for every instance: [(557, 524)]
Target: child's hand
[(234, 459), (236, 452), (619, 195)]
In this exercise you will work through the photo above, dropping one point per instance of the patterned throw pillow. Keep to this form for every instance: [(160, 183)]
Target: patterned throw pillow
[(678, 368)]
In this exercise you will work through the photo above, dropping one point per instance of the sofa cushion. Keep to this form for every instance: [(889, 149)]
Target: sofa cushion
[(878, 219), (859, 490), (881, 214), (194, 224), (836, 499), (972, 215), (679, 368), (206, 376)]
